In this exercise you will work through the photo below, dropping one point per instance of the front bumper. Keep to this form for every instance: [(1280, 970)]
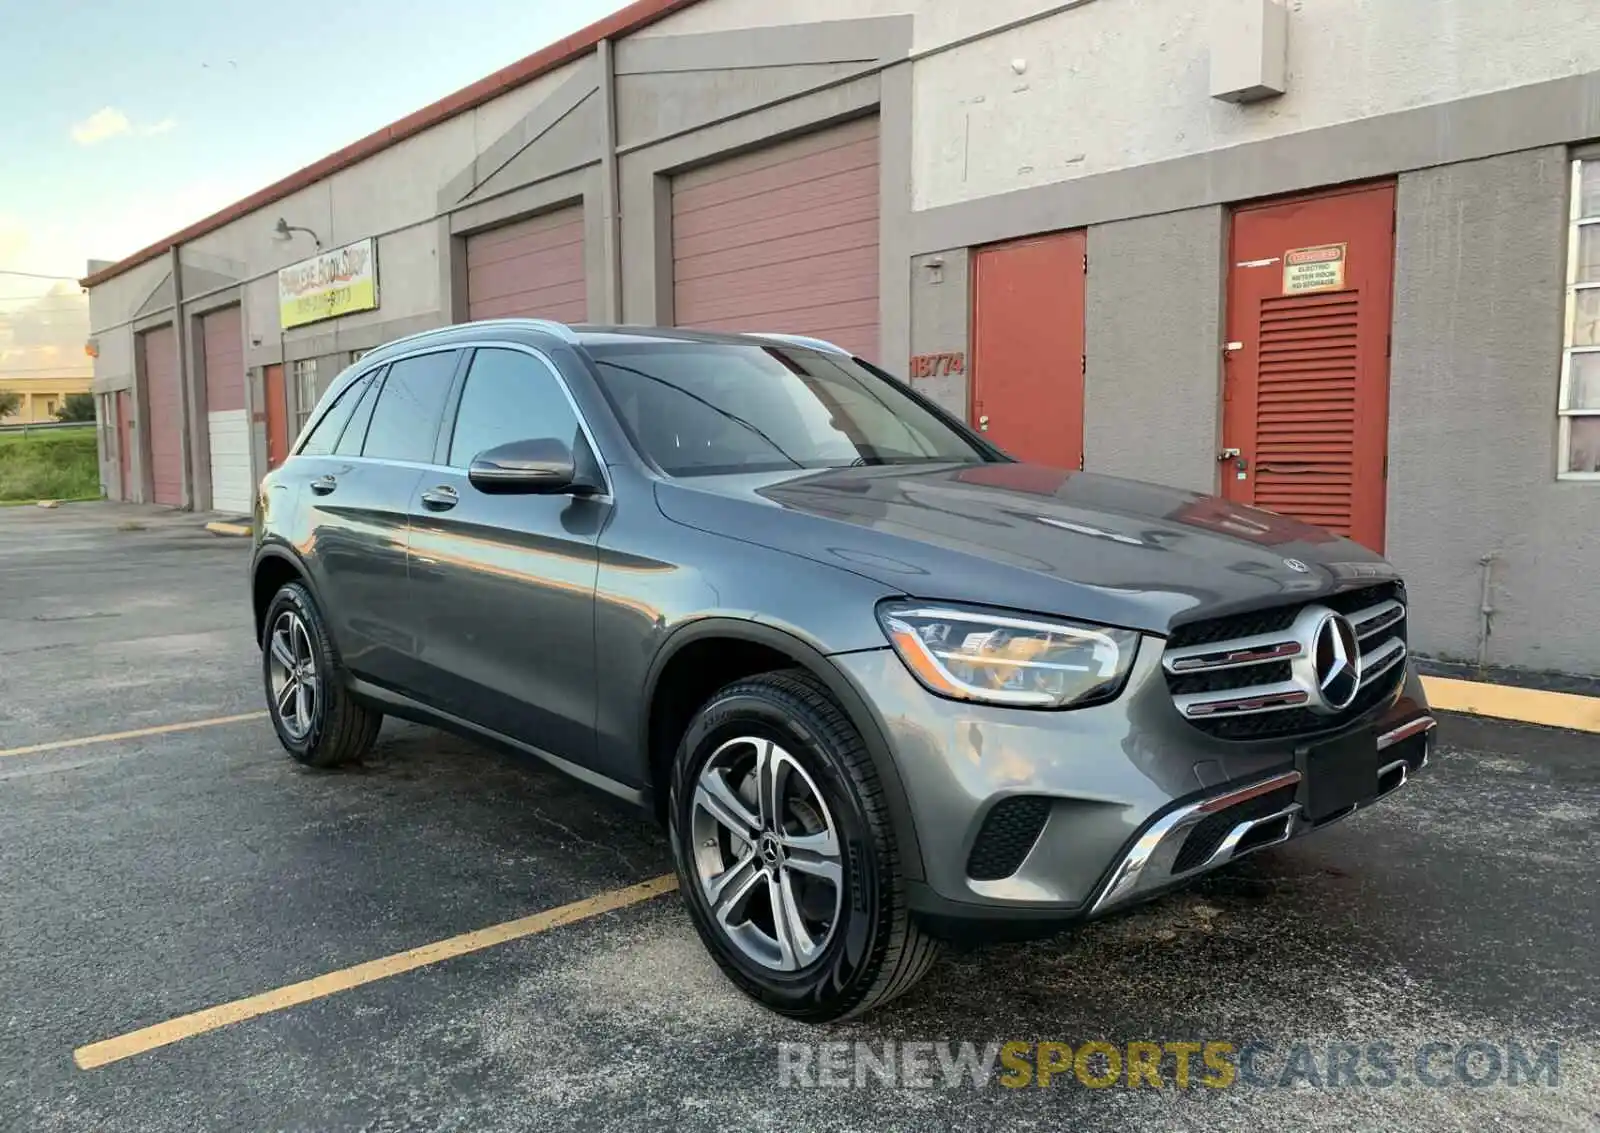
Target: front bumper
[(1121, 800)]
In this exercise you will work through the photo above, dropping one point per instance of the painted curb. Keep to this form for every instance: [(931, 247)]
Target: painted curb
[(1506, 702), (229, 529)]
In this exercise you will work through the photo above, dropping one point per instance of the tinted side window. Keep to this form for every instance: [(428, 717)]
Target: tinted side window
[(509, 396), (355, 433), (326, 433), (405, 423)]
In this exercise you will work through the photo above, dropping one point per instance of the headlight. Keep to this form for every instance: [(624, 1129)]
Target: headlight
[(995, 658)]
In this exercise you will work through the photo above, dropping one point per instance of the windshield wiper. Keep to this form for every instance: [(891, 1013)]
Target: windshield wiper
[(734, 417)]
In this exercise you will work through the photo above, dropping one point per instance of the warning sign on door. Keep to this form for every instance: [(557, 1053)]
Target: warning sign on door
[(1313, 269)]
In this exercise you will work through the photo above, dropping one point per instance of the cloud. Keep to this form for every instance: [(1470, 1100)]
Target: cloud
[(109, 122)]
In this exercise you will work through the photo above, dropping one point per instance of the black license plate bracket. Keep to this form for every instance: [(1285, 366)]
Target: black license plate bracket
[(1338, 774)]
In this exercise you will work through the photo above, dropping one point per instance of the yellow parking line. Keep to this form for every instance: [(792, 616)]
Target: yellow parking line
[(1528, 705), (198, 1023), (135, 734)]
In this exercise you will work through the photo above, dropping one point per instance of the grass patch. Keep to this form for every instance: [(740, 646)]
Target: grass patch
[(54, 464)]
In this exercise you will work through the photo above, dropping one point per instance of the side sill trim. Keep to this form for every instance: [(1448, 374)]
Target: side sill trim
[(416, 710)]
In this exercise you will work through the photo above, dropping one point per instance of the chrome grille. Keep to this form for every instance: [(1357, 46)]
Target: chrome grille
[(1257, 675)]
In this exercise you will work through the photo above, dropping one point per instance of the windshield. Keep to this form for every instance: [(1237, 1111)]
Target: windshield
[(701, 409)]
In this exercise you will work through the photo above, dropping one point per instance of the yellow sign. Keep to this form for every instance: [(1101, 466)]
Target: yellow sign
[(332, 283), (1313, 269)]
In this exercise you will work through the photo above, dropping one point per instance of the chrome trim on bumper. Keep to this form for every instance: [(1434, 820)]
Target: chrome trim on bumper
[(1148, 865), (1159, 845), (1405, 731)]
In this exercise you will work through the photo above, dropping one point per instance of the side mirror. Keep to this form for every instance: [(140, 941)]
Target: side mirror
[(543, 466)]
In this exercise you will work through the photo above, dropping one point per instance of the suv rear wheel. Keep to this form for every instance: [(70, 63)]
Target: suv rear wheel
[(785, 854), (316, 720)]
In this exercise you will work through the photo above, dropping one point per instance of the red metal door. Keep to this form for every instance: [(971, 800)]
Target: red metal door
[(1306, 381), (163, 417), (1027, 347), (124, 449), (783, 239), (277, 416)]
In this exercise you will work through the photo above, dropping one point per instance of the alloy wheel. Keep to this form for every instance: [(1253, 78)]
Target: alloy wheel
[(766, 854), (293, 674)]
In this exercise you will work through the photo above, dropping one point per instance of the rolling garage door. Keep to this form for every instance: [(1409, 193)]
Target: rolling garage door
[(227, 420), (530, 269), (164, 420), (783, 239)]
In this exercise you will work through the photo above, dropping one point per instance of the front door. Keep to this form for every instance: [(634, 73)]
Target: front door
[(1028, 347), (1306, 370), (503, 586)]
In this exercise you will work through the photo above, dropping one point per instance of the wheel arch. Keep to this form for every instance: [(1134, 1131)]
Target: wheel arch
[(274, 567), (772, 648)]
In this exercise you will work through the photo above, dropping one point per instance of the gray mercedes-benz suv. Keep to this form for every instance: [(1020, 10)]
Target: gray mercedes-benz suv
[(884, 684)]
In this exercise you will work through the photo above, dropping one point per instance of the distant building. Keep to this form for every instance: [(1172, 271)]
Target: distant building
[(1340, 260), (42, 394)]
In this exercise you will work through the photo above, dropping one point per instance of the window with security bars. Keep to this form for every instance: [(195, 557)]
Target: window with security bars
[(1580, 363), (305, 390)]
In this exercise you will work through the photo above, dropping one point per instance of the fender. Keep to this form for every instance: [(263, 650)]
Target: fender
[(282, 551), (809, 657)]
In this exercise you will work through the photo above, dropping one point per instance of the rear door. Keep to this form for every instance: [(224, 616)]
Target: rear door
[(356, 473), (503, 586)]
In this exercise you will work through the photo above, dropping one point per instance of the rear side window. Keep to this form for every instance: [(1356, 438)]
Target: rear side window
[(509, 396), (405, 421), (355, 433), (329, 427)]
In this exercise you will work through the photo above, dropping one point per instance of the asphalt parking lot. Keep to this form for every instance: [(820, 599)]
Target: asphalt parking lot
[(146, 878)]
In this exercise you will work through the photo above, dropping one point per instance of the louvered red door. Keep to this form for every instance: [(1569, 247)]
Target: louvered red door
[(1306, 382)]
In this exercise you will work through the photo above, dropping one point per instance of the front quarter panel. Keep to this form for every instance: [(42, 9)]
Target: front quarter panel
[(657, 577)]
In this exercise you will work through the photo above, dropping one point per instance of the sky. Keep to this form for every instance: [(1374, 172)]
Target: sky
[(126, 121)]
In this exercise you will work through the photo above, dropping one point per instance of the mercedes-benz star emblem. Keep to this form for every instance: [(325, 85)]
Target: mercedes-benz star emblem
[(1297, 566), (1336, 656)]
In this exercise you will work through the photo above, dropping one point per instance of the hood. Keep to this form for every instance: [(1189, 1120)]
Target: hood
[(1031, 538)]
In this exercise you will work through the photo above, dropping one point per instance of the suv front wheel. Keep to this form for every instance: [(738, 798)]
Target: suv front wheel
[(785, 855)]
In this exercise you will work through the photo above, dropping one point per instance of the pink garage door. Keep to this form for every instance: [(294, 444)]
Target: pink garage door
[(530, 269), (164, 421), (783, 239)]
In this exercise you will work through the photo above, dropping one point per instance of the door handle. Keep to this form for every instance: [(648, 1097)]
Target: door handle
[(442, 498), (323, 485)]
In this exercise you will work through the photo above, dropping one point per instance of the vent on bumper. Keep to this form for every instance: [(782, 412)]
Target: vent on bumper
[(1008, 833), (1209, 832), (1234, 677)]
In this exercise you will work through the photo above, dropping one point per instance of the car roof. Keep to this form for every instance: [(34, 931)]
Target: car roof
[(587, 335)]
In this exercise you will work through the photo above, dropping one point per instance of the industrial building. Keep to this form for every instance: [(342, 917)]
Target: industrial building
[(1338, 258)]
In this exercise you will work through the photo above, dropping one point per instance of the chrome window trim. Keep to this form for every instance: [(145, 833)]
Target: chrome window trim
[(608, 492), (312, 422)]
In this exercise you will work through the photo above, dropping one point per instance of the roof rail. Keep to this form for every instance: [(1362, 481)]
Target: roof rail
[(821, 344), (549, 326)]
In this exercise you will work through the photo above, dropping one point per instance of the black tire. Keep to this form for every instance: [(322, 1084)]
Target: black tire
[(875, 951), (340, 730)]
